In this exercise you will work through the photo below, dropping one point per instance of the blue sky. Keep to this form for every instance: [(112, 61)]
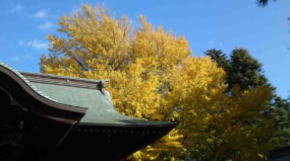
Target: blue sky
[(221, 24)]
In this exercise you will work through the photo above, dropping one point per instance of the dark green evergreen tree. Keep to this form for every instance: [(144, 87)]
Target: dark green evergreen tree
[(245, 71), (218, 56), (242, 69), (280, 112)]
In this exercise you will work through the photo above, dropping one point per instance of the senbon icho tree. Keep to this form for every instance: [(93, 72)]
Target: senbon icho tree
[(153, 75)]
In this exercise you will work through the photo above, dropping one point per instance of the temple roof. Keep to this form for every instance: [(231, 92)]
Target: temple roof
[(78, 95)]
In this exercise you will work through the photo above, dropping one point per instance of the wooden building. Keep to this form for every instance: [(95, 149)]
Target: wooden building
[(47, 117)]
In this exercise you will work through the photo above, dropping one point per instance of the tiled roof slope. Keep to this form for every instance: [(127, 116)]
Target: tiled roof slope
[(77, 94)]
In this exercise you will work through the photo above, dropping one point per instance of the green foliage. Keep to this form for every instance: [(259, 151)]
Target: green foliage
[(246, 72), (241, 68), (219, 57), (280, 113)]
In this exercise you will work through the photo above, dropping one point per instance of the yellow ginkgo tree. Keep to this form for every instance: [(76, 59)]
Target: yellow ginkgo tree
[(153, 76)]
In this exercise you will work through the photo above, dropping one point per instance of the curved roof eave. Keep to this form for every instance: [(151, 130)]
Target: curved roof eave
[(29, 89), (69, 99)]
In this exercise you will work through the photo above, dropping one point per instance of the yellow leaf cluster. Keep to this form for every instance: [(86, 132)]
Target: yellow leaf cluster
[(153, 76)]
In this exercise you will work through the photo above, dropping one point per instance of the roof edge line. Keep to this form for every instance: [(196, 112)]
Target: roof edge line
[(65, 78), (24, 83)]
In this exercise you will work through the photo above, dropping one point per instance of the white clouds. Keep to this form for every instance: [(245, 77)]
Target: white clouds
[(211, 42), (45, 26), (21, 43), (20, 58), (34, 44), (215, 43), (16, 8), (40, 14), (37, 44)]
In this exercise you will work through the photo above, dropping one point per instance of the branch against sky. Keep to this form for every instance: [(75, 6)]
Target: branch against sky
[(263, 2)]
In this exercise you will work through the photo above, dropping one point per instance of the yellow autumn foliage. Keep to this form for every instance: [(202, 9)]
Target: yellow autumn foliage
[(153, 76)]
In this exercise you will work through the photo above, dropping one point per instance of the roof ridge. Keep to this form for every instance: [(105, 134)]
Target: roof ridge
[(61, 80)]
